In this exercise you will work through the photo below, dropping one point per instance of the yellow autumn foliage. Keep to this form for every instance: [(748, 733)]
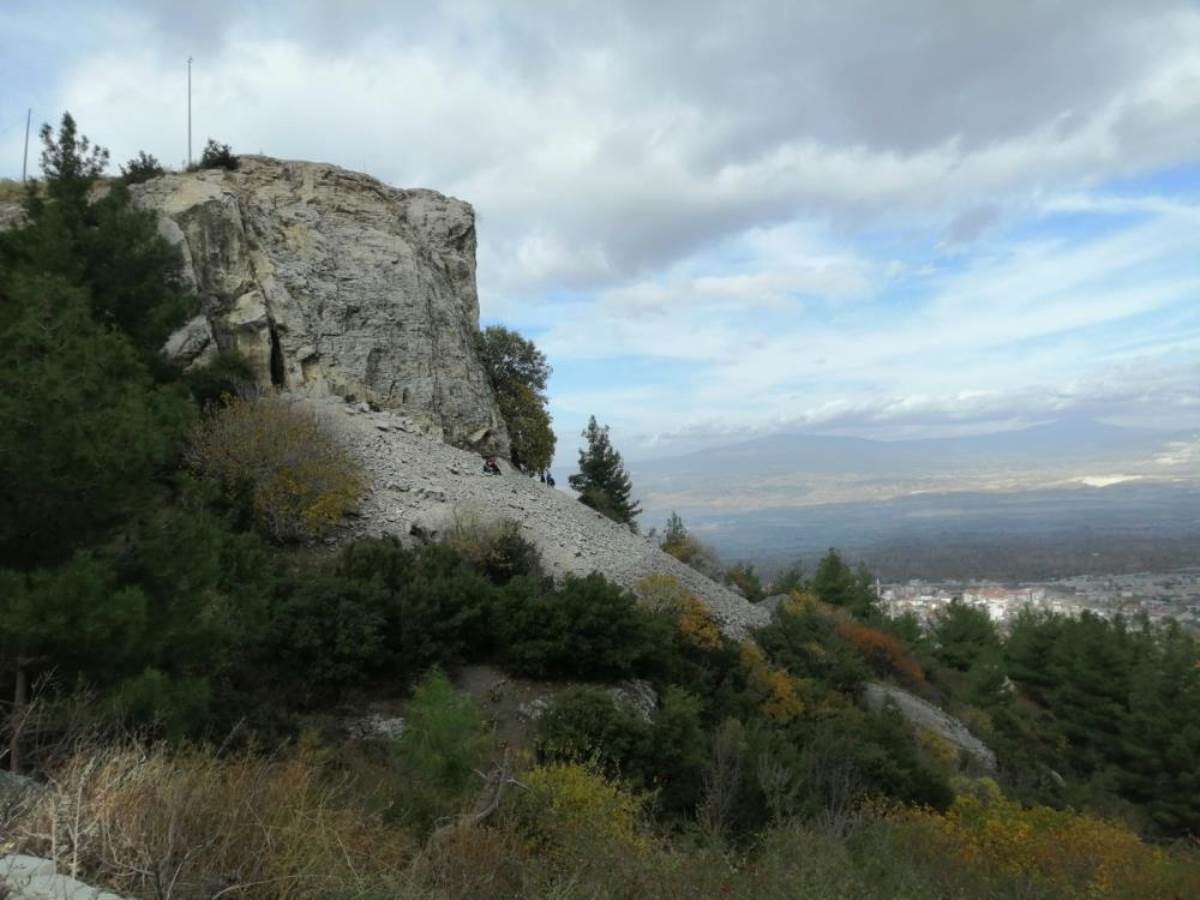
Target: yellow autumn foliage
[(779, 695), (567, 801), (664, 593), (697, 624), (276, 460), (1070, 854)]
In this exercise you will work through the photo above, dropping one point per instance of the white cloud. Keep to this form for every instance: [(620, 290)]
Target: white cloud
[(814, 208)]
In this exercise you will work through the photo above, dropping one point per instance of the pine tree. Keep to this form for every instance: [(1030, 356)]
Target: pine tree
[(108, 248), (962, 634), (675, 534), (838, 584), (602, 482), (85, 428)]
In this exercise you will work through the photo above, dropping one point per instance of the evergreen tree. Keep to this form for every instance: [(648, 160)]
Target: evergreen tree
[(602, 482), (518, 372), (962, 634), (75, 620), (743, 576), (789, 580), (70, 164), (108, 248), (675, 534), (836, 583), (83, 428)]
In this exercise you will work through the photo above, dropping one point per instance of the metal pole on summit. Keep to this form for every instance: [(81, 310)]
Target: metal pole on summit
[(189, 112), (25, 158)]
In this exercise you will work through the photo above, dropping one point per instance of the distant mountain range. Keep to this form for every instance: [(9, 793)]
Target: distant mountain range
[(791, 494), (1073, 441)]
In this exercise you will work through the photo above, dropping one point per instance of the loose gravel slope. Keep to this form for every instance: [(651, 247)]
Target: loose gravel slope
[(420, 485)]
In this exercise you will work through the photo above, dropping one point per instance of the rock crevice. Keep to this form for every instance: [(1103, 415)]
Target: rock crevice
[(332, 283)]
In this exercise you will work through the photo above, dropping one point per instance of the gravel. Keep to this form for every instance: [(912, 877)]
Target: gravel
[(422, 486)]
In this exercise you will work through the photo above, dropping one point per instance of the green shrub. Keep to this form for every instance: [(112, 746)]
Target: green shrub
[(277, 465), (745, 579), (586, 724), (329, 634), (665, 755), (217, 156), (444, 737), (209, 588), (173, 708), (805, 641), (86, 430), (141, 168), (588, 628), (227, 375), (437, 608), (497, 551)]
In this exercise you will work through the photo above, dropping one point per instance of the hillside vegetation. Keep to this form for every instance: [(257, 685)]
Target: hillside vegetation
[(182, 651)]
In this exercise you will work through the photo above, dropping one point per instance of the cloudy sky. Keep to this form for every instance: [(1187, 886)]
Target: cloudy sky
[(721, 219)]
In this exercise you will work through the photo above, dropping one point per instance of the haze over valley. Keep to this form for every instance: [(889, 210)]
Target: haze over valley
[(1107, 496)]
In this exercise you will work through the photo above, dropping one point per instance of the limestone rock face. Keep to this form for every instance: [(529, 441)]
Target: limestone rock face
[(331, 282)]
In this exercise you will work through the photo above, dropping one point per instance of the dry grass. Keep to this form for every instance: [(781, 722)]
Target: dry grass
[(150, 823), (11, 191)]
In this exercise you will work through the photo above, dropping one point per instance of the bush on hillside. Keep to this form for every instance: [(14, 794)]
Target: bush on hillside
[(86, 430), (743, 577), (1064, 853), (155, 703), (438, 609), (217, 156), (568, 805), (588, 628), (141, 168), (445, 739), (277, 466), (153, 824), (329, 634), (678, 542), (803, 639), (226, 376), (497, 550)]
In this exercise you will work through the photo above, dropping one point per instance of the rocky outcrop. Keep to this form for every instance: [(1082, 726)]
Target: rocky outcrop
[(31, 878), (922, 714), (331, 282), (419, 487)]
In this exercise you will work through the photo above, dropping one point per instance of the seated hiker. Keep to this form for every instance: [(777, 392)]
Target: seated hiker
[(549, 480), (490, 466)]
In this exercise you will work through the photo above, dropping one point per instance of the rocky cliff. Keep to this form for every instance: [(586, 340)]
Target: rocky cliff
[(331, 282)]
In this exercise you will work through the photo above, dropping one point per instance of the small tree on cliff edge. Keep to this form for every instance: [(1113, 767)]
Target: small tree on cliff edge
[(602, 482), (518, 372)]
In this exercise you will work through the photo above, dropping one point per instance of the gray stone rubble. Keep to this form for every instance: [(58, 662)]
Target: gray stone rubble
[(420, 486)]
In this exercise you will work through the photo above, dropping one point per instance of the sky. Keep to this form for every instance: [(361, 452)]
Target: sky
[(720, 220)]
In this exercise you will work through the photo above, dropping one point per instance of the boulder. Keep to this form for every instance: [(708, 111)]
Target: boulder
[(31, 878)]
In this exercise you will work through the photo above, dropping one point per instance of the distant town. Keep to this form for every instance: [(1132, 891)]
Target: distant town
[(1159, 596)]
